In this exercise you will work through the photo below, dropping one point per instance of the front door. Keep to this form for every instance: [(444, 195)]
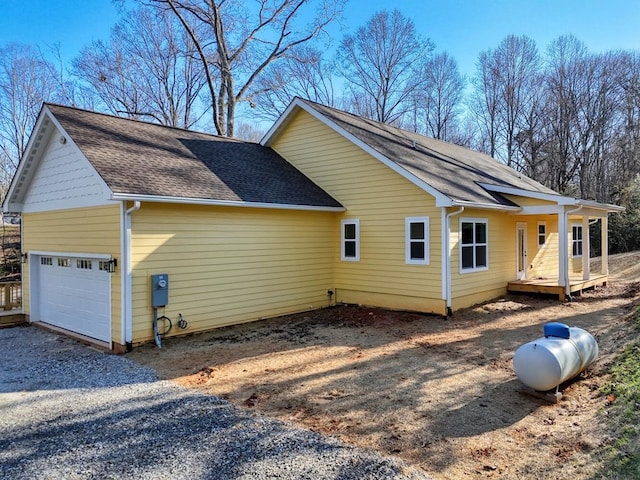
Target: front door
[(521, 259)]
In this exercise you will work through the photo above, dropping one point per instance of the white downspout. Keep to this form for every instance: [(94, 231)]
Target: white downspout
[(446, 255), (126, 274), (564, 249)]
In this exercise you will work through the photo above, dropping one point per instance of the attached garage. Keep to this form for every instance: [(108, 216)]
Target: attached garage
[(73, 293)]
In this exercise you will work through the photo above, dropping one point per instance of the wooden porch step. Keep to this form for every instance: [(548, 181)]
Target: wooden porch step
[(12, 319)]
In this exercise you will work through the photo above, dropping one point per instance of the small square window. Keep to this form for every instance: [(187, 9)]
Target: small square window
[(64, 262), (48, 261)]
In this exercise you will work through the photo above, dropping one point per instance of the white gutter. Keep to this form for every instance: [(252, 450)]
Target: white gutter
[(446, 256), (127, 309), (220, 203), (486, 206)]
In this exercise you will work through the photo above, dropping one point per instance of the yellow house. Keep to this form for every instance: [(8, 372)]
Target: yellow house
[(133, 230)]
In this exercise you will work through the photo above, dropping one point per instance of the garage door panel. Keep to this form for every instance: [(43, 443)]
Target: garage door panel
[(74, 294)]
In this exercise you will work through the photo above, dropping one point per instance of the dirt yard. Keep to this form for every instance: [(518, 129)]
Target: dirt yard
[(440, 394)]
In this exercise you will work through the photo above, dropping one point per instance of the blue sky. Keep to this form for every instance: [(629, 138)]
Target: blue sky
[(461, 27)]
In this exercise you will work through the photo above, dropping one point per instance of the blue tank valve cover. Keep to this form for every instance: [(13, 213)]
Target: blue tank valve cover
[(556, 329)]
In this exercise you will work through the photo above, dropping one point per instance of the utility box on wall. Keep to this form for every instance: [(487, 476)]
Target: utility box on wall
[(159, 290)]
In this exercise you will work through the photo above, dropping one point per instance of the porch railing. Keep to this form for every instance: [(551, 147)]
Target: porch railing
[(10, 295)]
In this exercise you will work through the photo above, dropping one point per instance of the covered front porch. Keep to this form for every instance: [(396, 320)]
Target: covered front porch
[(552, 286), (571, 247)]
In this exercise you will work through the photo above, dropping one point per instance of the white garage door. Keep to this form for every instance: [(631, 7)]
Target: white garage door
[(73, 293)]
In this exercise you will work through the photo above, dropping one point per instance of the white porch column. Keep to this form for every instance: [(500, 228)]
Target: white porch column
[(604, 245), (563, 251), (586, 248)]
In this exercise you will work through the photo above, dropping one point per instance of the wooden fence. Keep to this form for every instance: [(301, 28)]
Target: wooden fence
[(10, 295)]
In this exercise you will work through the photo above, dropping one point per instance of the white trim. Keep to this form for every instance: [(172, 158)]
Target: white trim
[(575, 242), (473, 220), (36, 141), (127, 299), (44, 253), (486, 206), (446, 255), (586, 248), (551, 197), (123, 273), (408, 241), (521, 270), (441, 199), (349, 221), (540, 210), (220, 203), (29, 162), (542, 223)]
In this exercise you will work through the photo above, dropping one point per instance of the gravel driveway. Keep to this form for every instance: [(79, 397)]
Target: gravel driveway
[(69, 411)]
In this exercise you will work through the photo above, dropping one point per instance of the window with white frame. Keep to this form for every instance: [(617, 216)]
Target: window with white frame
[(417, 240), (542, 234), (576, 240), (474, 246), (350, 240)]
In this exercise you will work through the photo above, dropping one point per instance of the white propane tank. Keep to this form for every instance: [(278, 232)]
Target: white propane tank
[(560, 355)]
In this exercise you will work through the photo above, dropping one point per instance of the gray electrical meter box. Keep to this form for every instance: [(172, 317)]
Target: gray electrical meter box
[(159, 290)]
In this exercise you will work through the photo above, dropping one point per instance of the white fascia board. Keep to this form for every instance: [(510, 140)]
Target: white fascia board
[(281, 121), (221, 203), (550, 197), (605, 207), (557, 198), (540, 210), (486, 206), (10, 205), (51, 253), (46, 119), (441, 199)]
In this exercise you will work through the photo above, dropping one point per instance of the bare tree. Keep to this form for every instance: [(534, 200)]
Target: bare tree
[(25, 82), (438, 100), (235, 42), (484, 103), (380, 63), (503, 82), (302, 73), (146, 70)]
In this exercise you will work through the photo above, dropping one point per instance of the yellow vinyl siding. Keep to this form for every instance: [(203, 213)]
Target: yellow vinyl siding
[(473, 287), (381, 199), (83, 230), (230, 265), (543, 260)]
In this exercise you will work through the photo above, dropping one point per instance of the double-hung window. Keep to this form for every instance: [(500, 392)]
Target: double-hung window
[(542, 234), (474, 254), (350, 240), (417, 240), (576, 240)]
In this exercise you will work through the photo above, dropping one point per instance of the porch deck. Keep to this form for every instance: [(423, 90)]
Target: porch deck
[(551, 285)]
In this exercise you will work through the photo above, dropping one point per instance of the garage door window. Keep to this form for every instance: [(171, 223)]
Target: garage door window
[(64, 262), (84, 264), (46, 261)]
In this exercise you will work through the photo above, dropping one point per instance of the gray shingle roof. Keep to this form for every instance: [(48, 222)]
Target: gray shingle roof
[(452, 170), (140, 158)]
